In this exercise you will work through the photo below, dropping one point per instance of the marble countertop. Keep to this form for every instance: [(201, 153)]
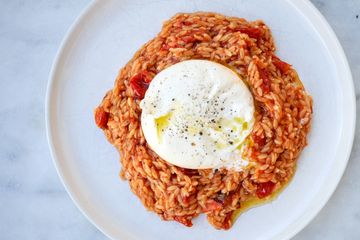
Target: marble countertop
[(33, 202)]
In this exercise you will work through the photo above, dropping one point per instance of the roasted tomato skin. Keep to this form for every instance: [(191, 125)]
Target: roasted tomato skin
[(101, 117), (227, 221), (183, 220), (140, 83), (250, 31), (265, 189), (283, 66)]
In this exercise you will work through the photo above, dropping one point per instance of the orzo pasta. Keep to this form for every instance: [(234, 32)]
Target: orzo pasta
[(282, 120)]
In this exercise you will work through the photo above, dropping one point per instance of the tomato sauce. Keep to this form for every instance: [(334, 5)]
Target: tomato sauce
[(266, 85)]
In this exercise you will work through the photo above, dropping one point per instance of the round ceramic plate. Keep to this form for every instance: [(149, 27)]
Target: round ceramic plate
[(105, 37)]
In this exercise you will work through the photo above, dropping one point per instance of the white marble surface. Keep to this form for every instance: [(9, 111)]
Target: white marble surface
[(33, 202)]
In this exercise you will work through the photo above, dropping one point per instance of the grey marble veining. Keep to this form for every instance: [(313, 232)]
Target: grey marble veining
[(33, 202)]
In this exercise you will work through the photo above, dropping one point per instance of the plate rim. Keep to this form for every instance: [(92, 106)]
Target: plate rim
[(322, 27)]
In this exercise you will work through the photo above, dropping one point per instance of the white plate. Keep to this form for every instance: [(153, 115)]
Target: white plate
[(105, 37)]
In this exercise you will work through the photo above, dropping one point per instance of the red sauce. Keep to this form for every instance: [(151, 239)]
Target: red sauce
[(188, 39), (250, 31), (101, 117), (140, 83), (281, 65), (186, 23), (165, 47), (184, 220), (265, 189), (260, 141), (185, 199), (266, 85), (227, 220)]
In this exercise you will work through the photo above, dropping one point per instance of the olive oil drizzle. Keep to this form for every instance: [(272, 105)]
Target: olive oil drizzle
[(256, 202)]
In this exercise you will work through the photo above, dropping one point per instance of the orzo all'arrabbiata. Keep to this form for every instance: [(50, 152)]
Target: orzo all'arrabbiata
[(207, 118)]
